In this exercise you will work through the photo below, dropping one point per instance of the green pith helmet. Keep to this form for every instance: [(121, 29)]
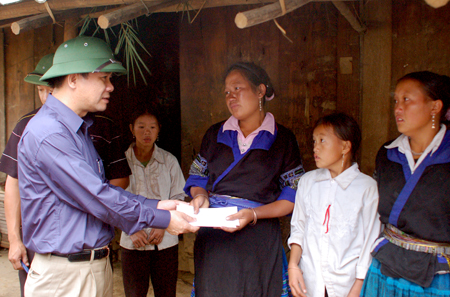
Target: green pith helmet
[(83, 54), (44, 64)]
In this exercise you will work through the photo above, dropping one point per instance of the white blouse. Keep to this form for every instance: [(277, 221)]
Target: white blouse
[(402, 143), (162, 179), (335, 221)]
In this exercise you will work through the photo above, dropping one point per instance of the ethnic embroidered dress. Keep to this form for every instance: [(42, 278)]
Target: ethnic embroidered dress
[(247, 262), (415, 205)]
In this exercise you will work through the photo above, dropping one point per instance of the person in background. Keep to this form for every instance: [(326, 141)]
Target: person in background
[(335, 220), (156, 174), (252, 162), (71, 208), (8, 164), (412, 255), (107, 142)]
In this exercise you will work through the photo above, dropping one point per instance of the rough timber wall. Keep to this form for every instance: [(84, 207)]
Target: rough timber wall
[(304, 73), (403, 36), (420, 41), (21, 54)]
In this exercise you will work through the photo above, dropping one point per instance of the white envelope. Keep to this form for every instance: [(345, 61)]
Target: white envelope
[(211, 217)]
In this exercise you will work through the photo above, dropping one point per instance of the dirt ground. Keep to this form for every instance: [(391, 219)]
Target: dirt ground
[(9, 281)]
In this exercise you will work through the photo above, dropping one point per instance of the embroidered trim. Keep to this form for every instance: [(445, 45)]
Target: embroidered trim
[(408, 242), (199, 167), (290, 179)]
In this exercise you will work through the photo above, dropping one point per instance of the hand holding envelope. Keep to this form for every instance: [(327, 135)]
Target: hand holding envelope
[(210, 217)]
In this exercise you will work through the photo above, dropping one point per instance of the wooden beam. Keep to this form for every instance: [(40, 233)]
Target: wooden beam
[(436, 3), (31, 23), (133, 11), (41, 20), (351, 18), (97, 14), (32, 7), (266, 13), (29, 8)]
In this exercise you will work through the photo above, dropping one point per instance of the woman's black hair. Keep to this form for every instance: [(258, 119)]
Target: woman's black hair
[(435, 86), (345, 128), (151, 111), (255, 75)]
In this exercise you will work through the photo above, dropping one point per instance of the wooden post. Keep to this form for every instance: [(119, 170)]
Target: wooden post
[(2, 98), (133, 11), (266, 13), (70, 28), (31, 23), (376, 56), (345, 11)]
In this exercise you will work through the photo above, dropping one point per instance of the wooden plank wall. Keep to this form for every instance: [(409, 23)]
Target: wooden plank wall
[(420, 41), (403, 36), (21, 54), (304, 73)]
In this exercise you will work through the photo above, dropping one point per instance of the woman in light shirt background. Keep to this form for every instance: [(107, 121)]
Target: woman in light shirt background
[(156, 174)]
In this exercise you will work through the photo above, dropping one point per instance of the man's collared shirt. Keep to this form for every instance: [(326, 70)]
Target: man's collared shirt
[(67, 204)]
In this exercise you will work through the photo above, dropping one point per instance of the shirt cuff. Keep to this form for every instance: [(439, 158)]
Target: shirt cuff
[(195, 181), (288, 194), (162, 219), (361, 271), (151, 203), (295, 240)]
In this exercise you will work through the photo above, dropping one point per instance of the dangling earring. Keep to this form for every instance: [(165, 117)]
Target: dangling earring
[(157, 138), (343, 160), (260, 106), (432, 122)]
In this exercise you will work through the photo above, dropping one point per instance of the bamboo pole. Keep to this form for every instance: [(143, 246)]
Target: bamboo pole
[(266, 13), (133, 11), (354, 22)]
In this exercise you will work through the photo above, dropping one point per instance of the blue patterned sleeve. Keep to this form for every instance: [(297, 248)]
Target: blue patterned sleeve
[(289, 182), (198, 174)]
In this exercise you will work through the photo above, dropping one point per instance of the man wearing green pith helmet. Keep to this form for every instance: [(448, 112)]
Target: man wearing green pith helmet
[(70, 207)]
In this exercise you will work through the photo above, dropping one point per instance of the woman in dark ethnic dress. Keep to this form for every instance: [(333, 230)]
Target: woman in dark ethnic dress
[(254, 163), (412, 256)]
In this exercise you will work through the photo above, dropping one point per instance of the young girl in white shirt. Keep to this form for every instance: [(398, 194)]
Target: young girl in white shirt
[(335, 220)]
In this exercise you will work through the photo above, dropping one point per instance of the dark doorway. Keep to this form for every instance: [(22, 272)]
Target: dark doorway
[(160, 35)]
